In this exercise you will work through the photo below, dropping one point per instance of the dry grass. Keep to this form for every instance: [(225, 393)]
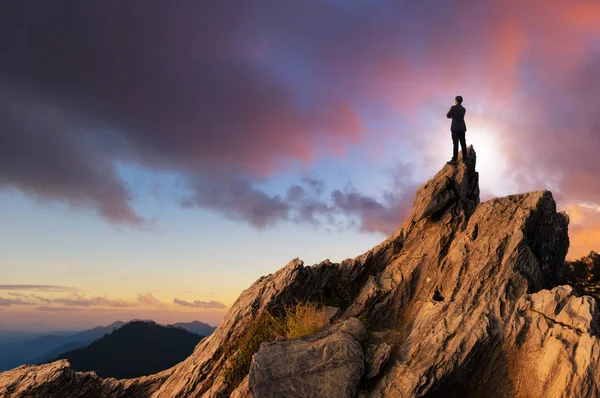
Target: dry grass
[(299, 320), (304, 319), (263, 328)]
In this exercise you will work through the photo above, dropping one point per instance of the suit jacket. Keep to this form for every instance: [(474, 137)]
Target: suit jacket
[(457, 114)]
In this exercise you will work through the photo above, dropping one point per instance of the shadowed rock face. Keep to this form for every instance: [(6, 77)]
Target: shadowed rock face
[(455, 303)]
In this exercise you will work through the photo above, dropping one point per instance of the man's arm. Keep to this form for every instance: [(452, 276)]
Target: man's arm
[(450, 114)]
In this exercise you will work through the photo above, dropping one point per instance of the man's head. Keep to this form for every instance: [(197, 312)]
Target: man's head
[(459, 99)]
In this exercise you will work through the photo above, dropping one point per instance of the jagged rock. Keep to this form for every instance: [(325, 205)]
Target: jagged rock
[(560, 305), (553, 347), (57, 379), (327, 364), (448, 185), (542, 352), (459, 291), (376, 357)]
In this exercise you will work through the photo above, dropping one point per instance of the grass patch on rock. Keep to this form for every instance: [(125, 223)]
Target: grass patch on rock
[(302, 319)]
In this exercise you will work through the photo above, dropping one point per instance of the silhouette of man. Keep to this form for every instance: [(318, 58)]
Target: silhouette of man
[(458, 129)]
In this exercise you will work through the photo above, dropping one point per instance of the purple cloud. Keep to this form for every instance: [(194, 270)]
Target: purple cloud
[(227, 93)]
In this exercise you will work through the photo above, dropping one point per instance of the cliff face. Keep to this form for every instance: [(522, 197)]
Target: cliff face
[(455, 303)]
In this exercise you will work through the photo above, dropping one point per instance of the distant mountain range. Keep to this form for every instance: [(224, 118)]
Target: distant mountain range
[(138, 348), (18, 348), (197, 327), (34, 350)]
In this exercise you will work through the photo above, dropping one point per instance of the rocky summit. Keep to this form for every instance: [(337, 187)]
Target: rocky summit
[(461, 301)]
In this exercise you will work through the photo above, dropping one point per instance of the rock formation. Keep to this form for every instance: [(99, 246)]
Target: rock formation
[(462, 300)]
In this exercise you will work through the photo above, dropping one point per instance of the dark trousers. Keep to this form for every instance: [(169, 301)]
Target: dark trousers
[(456, 137)]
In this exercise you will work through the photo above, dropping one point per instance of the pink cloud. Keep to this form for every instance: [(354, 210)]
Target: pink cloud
[(228, 105)]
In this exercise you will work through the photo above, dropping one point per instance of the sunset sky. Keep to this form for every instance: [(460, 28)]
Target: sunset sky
[(156, 158)]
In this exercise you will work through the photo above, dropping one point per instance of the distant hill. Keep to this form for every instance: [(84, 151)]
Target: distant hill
[(136, 349), (197, 327), (39, 349)]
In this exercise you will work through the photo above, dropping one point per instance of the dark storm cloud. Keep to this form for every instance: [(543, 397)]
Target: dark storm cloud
[(179, 87), (226, 92), (239, 200)]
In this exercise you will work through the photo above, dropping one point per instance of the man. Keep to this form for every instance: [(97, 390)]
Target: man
[(458, 128)]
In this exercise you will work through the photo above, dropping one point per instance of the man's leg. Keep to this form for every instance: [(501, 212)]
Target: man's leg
[(463, 146), (455, 140)]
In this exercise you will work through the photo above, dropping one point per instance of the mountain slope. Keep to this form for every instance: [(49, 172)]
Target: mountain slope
[(136, 349), (85, 338), (46, 347), (462, 300)]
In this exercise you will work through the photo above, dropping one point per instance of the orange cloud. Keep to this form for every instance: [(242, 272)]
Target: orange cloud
[(584, 231), (200, 304), (149, 299), (585, 14)]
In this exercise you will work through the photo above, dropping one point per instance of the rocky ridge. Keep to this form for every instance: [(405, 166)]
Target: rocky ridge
[(462, 300)]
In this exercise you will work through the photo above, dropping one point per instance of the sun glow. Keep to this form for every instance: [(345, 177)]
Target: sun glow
[(492, 159), (493, 162)]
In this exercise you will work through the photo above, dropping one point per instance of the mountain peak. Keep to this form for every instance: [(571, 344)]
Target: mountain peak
[(453, 186)]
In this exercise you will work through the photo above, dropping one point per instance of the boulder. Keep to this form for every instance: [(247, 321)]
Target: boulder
[(327, 364)]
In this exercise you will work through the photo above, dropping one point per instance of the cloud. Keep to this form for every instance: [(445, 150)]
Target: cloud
[(375, 216), (39, 288), (5, 302), (30, 298), (77, 120), (239, 200), (42, 299), (56, 309), (77, 300), (200, 304), (229, 95), (149, 299), (584, 230), (382, 215), (317, 185)]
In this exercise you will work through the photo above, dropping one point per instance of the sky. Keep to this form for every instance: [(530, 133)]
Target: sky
[(156, 159)]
